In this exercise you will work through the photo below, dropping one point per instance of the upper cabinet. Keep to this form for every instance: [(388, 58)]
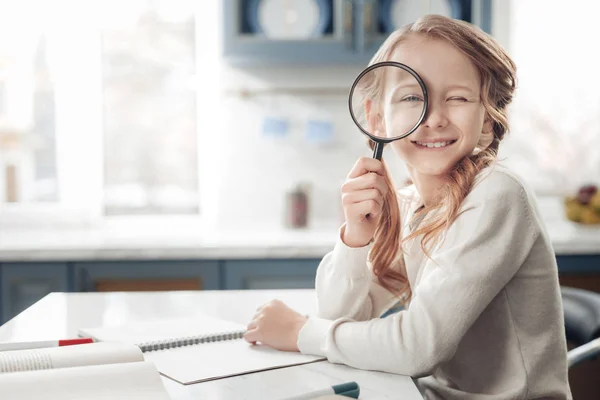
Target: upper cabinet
[(326, 32)]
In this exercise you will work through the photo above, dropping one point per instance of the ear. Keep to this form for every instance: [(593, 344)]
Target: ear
[(487, 133), (488, 126), (375, 122)]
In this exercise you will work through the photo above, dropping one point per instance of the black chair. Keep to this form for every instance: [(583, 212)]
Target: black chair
[(582, 323)]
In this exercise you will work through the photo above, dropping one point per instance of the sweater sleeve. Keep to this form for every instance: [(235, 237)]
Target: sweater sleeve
[(482, 251), (346, 286)]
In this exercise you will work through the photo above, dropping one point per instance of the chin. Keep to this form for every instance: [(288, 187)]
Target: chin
[(438, 170), (433, 164), (431, 167)]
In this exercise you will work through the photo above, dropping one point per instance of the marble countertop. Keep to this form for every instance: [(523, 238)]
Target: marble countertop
[(183, 239)]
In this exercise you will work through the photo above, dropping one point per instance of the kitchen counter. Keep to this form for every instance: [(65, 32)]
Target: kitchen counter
[(185, 239)]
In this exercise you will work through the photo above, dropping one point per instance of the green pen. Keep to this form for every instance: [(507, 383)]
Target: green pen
[(348, 389)]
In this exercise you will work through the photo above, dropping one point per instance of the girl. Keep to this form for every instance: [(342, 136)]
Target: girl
[(463, 247)]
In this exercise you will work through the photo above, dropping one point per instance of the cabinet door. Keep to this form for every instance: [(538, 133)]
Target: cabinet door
[(124, 276), (340, 32), (376, 19), (270, 274), (319, 32), (22, 284)]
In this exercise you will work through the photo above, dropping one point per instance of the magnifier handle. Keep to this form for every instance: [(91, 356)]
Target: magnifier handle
[(377, 153), (378, 150)]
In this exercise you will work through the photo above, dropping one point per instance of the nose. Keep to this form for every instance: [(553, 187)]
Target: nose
[(436, 116)]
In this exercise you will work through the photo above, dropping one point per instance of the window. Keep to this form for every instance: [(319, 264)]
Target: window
[(98, 107), (150, 144), (27, 117), (555, 115)]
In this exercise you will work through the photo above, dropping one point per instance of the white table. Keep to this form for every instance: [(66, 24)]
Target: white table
[(60, 315)]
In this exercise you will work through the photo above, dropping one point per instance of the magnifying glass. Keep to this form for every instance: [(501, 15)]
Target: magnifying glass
[(387, 101)]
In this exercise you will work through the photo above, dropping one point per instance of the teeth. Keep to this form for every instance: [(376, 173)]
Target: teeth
[(432, 145)]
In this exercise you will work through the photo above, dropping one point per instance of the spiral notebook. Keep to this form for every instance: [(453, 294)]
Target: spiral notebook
[(198, 349)]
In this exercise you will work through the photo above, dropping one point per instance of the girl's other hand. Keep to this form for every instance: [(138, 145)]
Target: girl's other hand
[(276, 325)]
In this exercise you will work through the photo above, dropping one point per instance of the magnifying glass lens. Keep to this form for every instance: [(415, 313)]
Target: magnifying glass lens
[(388, 101)]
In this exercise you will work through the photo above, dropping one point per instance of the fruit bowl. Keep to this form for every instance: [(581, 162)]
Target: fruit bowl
[(585, 207)]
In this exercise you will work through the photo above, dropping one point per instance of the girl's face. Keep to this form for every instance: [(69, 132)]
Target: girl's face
[(455, 121)]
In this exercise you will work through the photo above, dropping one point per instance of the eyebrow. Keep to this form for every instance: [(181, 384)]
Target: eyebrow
[(460, 86), (405, 85)]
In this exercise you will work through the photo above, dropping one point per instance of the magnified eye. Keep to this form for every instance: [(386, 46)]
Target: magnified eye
[(411, 98)]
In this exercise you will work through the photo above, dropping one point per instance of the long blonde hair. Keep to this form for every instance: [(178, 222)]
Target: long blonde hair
[(498, 80)]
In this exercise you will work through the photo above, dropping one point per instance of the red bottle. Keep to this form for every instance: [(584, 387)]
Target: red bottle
[(297, 207)]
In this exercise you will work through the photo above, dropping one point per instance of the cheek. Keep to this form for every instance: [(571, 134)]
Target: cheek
[(403, 148), (468, 120), (400, 120)]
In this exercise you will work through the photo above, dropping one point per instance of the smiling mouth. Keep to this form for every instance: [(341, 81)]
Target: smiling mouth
[(433, 145)]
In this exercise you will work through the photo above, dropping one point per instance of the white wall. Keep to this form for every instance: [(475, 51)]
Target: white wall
[(261, 169)]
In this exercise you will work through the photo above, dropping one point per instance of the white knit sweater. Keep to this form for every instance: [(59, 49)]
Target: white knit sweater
[(485, 320)]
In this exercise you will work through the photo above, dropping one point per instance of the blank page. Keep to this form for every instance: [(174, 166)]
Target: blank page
[(216, 360), (130, 381)]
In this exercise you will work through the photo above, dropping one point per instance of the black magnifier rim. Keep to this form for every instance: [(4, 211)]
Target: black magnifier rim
[(409, 70)]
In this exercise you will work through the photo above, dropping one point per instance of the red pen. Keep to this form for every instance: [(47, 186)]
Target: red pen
[(44, 344)]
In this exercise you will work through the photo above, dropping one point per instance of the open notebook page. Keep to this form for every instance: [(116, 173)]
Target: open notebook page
[(196, 363), (68, 356), (129, 381), (216, 360)]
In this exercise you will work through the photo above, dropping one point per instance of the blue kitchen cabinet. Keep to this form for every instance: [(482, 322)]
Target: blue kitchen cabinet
[(22, 284), (245, 45), (579, 264), (147, 275), (270, 274), (580, 271), (323, 32)]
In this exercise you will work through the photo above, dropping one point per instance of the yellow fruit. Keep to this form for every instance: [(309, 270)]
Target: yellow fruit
[(574, 211), (570, 200), (595, 202), (590, 216)]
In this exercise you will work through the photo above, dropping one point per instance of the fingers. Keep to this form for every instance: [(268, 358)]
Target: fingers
[(258, 312), (252, 333), (364, 208), (362, 195), (252, 336), (367, 181), (252, 325), (365, 165)]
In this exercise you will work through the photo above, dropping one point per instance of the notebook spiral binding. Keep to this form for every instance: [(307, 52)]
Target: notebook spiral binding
[(157, 345)]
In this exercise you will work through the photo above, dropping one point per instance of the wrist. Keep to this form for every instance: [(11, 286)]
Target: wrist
[(352, 239), (302, 320)]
